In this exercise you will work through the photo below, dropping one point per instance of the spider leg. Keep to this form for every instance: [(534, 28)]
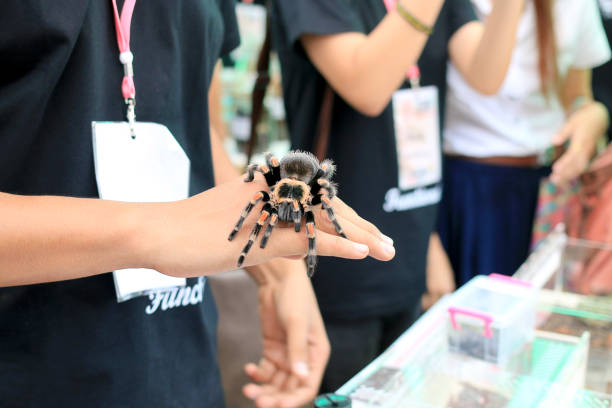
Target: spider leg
[(311, 257), (328, 187), (269, 228), (263, 169), (315, 187), (326, 205), (274, 165), (296, 216), (265, 214), (259, 196)]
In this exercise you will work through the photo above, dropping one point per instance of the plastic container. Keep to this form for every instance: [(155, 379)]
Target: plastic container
[(492, 318), (332, 401)]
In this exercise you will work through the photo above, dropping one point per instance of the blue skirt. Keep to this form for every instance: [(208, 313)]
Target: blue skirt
[(486, 216)]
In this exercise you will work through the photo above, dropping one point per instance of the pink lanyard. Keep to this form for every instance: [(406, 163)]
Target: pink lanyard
[(414, 74), (122, 28)]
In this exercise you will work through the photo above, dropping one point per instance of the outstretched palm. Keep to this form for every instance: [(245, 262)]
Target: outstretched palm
[(295, 346)]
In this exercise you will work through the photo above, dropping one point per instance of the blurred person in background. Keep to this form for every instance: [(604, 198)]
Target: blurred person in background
[(390, 170), (602, 75), (495, 145), (65, 341)]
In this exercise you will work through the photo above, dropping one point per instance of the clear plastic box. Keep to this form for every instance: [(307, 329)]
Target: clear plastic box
[(419, 371), (492, 318), (572, 274)]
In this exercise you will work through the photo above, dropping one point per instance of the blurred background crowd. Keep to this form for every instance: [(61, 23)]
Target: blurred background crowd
[(453, 140)]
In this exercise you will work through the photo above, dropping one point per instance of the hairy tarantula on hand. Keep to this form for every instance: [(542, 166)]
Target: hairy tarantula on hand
[(297, 183)]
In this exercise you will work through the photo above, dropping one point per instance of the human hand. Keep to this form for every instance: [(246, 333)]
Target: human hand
[(189, 237), (583, 128), (296, 348)]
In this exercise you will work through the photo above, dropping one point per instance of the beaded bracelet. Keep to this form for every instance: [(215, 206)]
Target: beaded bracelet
[(412, 20)]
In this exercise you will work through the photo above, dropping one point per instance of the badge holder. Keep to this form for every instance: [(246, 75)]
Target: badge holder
[(417, 134), (137, 162)]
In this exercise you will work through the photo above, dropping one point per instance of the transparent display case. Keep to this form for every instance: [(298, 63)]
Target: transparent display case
[(491, 318), (566, 363), (567, 303), (419, 370)]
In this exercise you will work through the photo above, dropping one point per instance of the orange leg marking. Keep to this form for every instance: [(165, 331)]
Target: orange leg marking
[(263, 218)]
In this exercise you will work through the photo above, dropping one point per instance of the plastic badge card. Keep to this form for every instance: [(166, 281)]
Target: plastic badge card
[(415, 115), (152, 167)]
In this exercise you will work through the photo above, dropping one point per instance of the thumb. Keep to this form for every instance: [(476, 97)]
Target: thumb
[(564, 134), (297, 344)]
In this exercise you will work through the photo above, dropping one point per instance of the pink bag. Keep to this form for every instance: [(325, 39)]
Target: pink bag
[(589, 217)]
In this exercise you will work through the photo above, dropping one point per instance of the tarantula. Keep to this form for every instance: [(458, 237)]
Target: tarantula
[(297, 183)]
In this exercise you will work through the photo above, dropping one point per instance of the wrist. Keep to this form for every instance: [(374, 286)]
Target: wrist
[(424, 12), (276, 271), (142, 236)]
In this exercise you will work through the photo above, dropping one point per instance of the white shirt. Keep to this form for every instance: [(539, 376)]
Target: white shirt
[(519, 120)]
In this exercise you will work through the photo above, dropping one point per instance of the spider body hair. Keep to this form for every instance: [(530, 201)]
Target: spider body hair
[(297, 183)]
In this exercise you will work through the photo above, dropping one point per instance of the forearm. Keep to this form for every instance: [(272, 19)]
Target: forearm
[(45, 238), (486, 65), (366, 70), (224, 170), (492, 57), (274, 271)]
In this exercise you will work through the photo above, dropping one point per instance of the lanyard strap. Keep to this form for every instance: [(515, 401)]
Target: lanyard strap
[(413, 74), (123, 23)]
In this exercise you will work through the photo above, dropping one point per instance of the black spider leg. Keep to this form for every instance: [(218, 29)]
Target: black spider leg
[(315, 187), (265, 214), (296, 215), (274, 165), (259, 196), (325, 199), (271, 170), (269, 228), (326, 205), (311, 257)]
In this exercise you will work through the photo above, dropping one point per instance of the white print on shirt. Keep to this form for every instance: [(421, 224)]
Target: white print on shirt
[(421, 197), (176, 296)]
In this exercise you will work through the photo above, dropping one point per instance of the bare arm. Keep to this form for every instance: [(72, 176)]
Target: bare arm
[(46, 239), (482, 51), (215, 103), (366, 70)]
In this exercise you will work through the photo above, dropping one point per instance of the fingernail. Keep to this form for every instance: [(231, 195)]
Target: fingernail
[(301, 368), (361, 248), (388, 249), (387, 239)]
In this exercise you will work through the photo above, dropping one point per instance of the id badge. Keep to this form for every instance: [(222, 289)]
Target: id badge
[(149, 168), (417, 135)]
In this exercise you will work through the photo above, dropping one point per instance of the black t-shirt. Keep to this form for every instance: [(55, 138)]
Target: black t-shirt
[(70, 343), (364, 150), (602, 76)]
